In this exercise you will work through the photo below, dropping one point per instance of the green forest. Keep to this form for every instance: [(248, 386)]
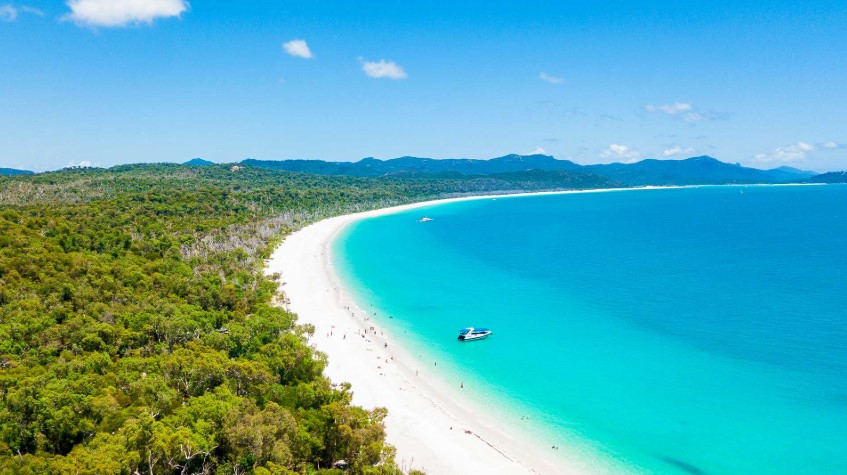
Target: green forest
[(138, 333)]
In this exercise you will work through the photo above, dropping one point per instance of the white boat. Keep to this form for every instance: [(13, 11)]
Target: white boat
[(471, 333), (424, 219)]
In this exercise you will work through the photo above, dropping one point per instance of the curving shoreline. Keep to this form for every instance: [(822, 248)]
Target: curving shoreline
[(432, 426)]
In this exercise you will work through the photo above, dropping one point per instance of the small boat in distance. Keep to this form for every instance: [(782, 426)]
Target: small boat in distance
[(424, 219), (471, 333)]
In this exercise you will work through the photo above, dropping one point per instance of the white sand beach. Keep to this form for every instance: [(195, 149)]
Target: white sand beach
[(432, 426)]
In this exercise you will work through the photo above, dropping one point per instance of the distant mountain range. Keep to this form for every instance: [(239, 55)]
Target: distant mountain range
[(14, 171), (375, 167), (693, 171), (544, 171), (831, 177)]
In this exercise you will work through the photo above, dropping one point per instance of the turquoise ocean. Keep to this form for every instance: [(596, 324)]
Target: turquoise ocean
[(680, 331)]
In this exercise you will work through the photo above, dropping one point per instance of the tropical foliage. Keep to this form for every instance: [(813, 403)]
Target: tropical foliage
[(138, 333)]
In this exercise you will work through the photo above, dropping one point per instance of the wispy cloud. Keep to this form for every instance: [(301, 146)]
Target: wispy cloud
[(383, 69), (8, 13), (797, 151), (611, 117), (620, 152), (550, 78), (670, 109), (790, 153), (298, 48), (30, 10), (677, 150), (681, 110), (117, 13), (696, 117)]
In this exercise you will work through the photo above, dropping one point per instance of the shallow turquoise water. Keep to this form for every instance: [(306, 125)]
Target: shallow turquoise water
[(699, 330)]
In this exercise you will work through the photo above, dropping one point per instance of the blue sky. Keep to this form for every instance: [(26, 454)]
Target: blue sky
[(120, 81)]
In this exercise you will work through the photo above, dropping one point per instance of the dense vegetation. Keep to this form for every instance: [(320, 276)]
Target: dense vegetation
[(14, 171), (138, 333)]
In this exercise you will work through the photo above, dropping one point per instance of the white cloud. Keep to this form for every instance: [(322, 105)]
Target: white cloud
[(8, 13), (550, 78), (298, 48), (694, 117), (538, 151), (677, 150), (83, 164), (790, 153), (115, 13), (680, 110), (383, 69), (620, 152), (670, 109), (833, 145)]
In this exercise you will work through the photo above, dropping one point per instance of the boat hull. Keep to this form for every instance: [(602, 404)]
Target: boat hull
[(474, 337)]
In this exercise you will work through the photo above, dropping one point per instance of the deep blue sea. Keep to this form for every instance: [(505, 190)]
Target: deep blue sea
[(690, 331)]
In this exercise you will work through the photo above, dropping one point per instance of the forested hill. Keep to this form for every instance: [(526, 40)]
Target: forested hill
[(831, 177), (14, 171), (702, 170), (198, 162), (137, 330)]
